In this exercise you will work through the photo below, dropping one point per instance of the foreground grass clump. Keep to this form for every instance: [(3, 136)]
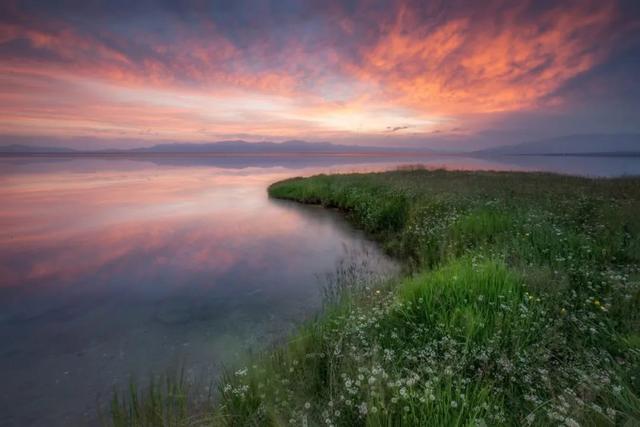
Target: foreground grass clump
[(161, 404), (521, 306)]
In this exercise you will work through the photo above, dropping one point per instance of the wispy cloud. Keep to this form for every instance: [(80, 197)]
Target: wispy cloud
[(328, 69), (396, 128)]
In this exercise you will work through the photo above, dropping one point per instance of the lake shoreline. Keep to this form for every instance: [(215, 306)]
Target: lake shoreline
[(518, 278)]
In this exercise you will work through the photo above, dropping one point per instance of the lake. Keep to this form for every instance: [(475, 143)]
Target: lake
[(113, 267)]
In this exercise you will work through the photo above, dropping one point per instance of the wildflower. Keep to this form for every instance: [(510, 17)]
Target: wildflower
[(454, 404), (362, 408), (570, 422), (307, 405)]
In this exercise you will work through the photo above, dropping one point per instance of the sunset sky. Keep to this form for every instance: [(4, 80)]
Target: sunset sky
[(440, 74)]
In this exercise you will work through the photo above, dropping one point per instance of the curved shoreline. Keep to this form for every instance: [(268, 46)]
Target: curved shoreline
[(523, 308)]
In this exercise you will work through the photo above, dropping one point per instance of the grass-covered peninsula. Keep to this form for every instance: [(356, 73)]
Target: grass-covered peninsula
[(520, 305)]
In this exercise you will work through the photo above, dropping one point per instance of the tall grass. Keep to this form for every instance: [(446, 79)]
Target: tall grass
[(521, 306), (161, 404)]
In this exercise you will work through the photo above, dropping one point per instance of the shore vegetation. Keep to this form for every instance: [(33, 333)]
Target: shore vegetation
[(519, 305)]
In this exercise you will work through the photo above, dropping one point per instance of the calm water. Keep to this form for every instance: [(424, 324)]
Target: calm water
[(113, 267)]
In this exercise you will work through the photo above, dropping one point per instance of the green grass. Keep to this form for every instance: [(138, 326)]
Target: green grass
[(520, 306)]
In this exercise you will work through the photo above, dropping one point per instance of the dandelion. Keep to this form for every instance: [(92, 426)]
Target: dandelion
[(307, 405), (454, 404)]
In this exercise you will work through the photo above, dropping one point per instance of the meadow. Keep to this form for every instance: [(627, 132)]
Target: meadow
[(519, 304)]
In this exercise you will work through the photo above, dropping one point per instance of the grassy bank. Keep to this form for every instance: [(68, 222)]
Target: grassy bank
[(521, 306)]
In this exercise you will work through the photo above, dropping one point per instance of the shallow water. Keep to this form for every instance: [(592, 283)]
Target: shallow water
[(113, 267)]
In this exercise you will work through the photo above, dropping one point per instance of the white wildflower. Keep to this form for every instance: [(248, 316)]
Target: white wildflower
[(570, 422), (362, 408)]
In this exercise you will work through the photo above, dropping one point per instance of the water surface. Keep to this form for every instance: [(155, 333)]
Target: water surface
[(112, 267)]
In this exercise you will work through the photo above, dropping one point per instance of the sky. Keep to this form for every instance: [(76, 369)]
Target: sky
[(449, 74)]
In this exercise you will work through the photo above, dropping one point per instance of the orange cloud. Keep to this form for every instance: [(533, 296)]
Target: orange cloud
[(493, 64)]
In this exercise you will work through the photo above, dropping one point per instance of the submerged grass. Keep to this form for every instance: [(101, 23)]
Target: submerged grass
[(521, 307)]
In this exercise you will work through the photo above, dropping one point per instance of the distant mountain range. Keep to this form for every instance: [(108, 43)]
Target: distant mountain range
[(591, 144), (221, 147), (584, 145), (26, 149)]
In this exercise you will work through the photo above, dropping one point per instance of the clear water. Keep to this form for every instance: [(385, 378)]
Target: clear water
[(119, 267)]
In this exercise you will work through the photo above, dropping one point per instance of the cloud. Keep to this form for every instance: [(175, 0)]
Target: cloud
[(396, 128), (318, 68), (504, 60)]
